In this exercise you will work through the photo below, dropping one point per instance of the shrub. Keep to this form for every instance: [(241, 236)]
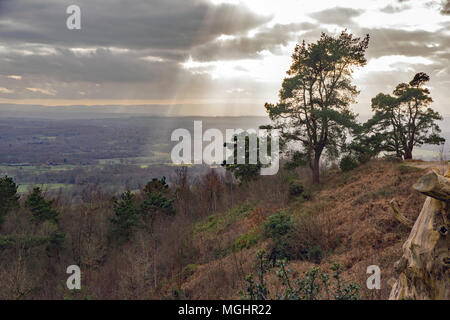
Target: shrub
[(217, 223), (307, 194), (245, 241), (296, 189), (278, 227), (189, 270), (344, 291), (314, 232), (314, 254), (306, 236), (314, 285), (348, 163)]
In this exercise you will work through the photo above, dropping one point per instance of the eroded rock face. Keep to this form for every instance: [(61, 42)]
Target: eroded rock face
[(424, 268)]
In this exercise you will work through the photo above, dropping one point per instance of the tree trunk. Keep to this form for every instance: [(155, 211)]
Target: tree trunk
[(315, 167), (424, 269), (408, 154), (434, 185)]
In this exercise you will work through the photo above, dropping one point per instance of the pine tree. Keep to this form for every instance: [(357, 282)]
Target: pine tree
[(40, 208), (405, 120), (126, 217), (315, 98)]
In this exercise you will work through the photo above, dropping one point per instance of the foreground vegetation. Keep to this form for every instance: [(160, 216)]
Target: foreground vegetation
[(197, 238)]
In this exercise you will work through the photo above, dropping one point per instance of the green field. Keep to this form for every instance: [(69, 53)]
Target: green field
[(25, 188)]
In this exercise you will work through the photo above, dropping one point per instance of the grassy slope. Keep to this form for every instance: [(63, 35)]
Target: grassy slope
[(356, 229)]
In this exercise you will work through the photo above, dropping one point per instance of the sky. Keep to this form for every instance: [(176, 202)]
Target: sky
[(218, 57)]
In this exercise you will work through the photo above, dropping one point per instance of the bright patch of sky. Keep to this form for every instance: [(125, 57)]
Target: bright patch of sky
[(390, 63), (410, 15)]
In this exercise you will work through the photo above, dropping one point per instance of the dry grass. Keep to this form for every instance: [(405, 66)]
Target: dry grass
[(349, 218)]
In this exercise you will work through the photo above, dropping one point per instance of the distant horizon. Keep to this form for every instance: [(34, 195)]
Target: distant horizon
[(150, 110)]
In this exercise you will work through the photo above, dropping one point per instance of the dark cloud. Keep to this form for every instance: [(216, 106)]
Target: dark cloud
[(101, 74), (339, 16), (157, 36), (384, 41), (98, 66), (270, 39), (175, 24)]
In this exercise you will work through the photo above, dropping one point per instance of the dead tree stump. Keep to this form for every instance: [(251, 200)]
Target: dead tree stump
[(424, 268)]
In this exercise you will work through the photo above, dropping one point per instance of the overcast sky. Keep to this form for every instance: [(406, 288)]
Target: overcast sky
[(210, 53)]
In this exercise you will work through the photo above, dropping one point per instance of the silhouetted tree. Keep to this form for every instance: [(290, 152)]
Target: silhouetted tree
[(405, 119), (315, 98)]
